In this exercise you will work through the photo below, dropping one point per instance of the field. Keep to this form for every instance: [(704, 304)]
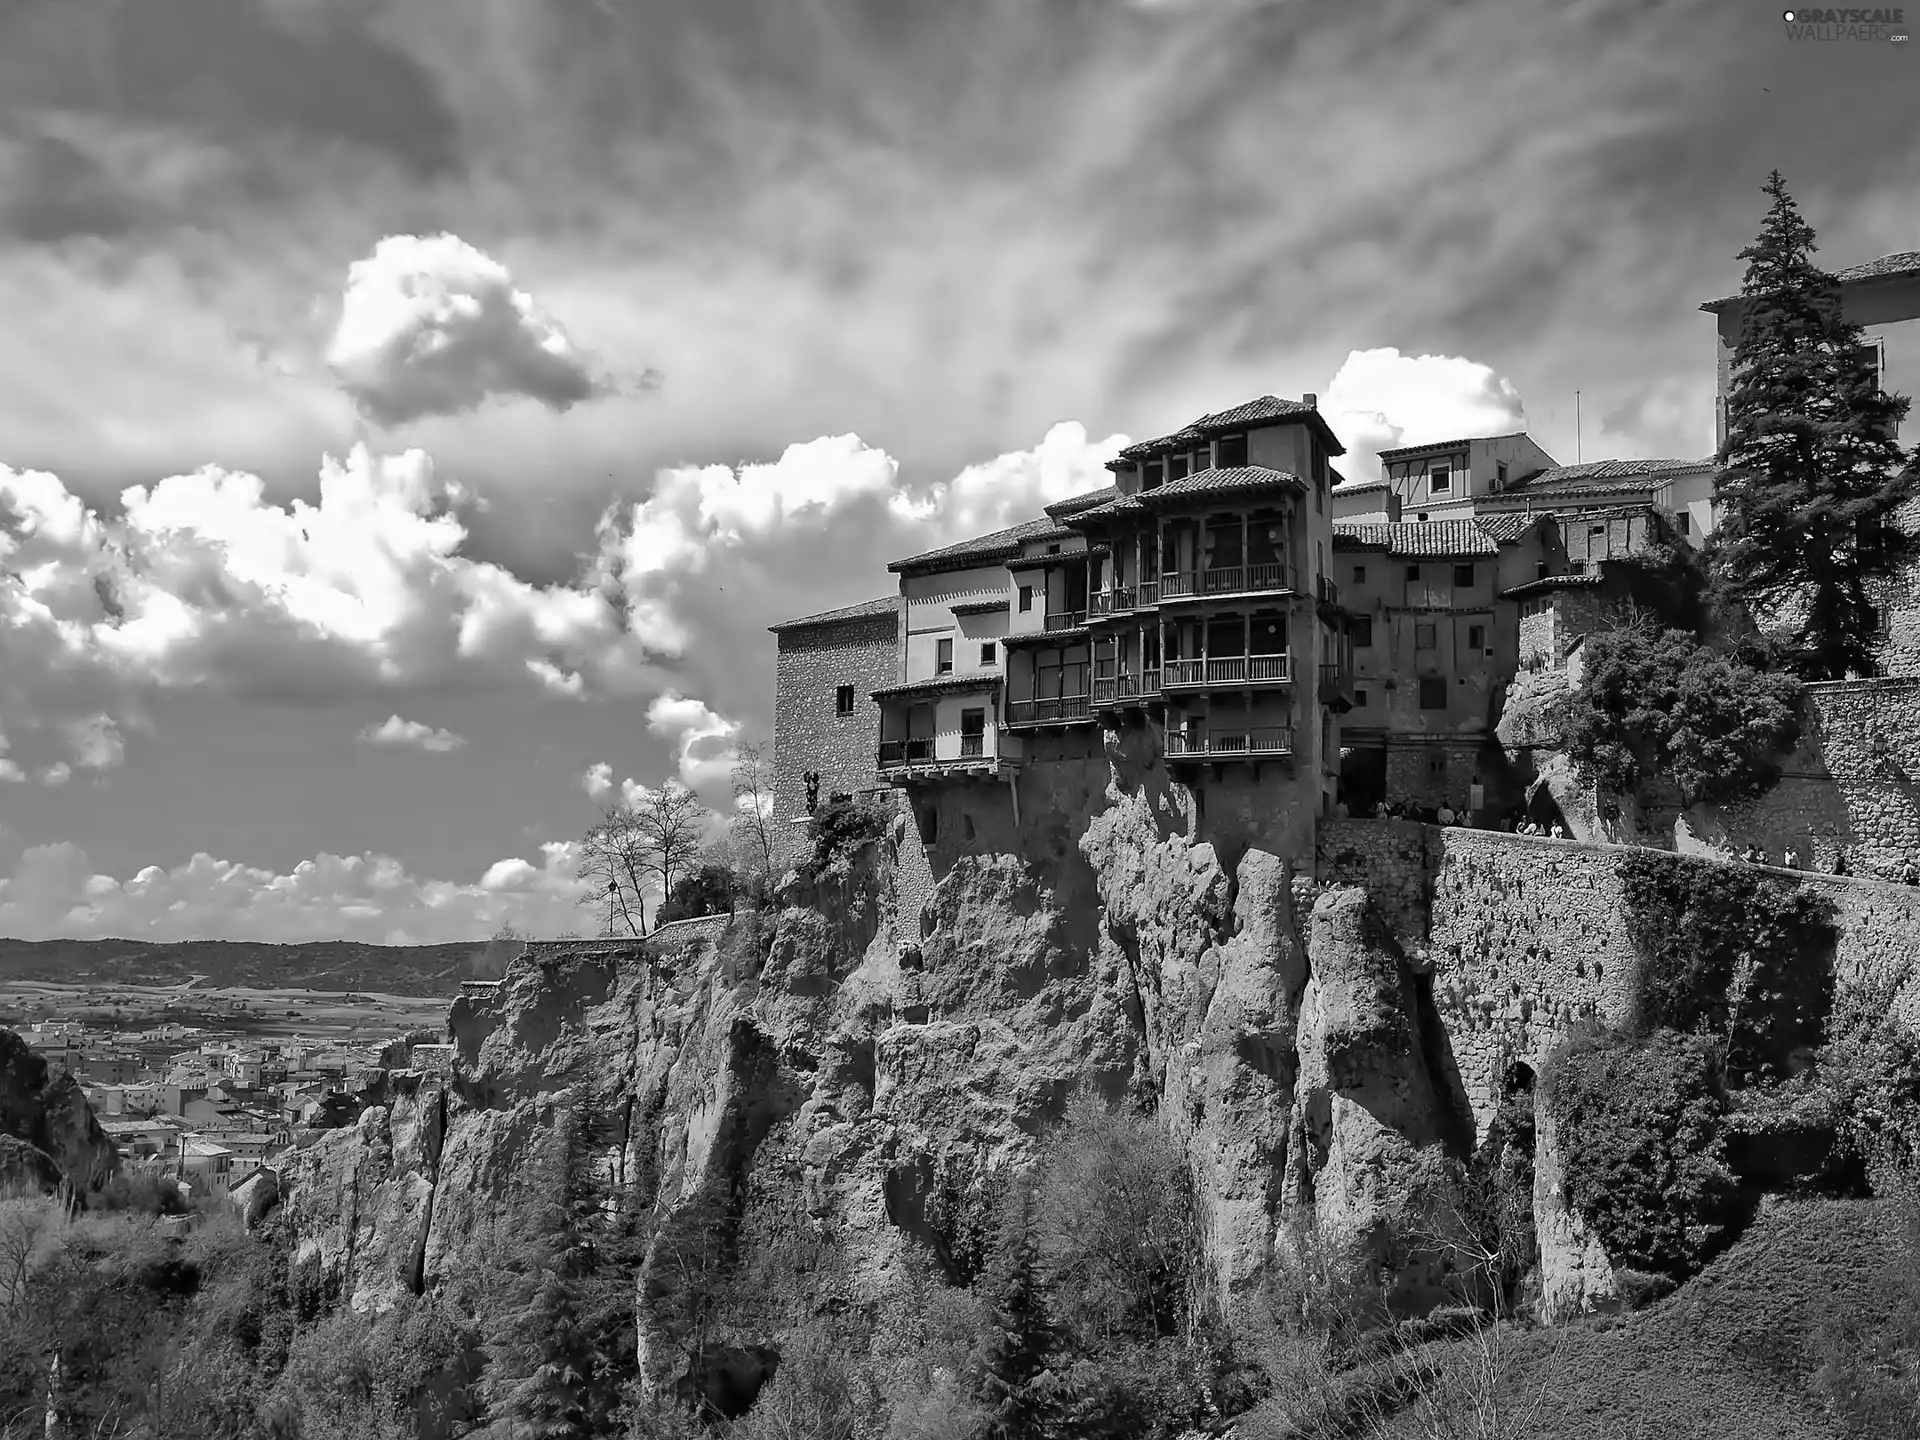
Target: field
[(329, 965), (239, 1011)]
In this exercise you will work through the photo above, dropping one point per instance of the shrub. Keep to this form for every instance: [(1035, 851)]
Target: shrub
[(1872, 1067), (710, 890), (141, 1191), (841, 829), (1727, 951), (1640, 1124), (1654, 703)]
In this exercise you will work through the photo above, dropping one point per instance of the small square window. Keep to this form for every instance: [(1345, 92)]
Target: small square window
[(1360, 699), (1230, 451), (1500, 475), (1359, 574), (1433, 692), (1053, 549), (843, 700), (1440, 480), (1026, 595), (1437, 764), (1423, 637), (1152, 476), (1176, 467), (943, 657), (988, 653), (1596, 531), (1684, 521), (1463, 576), (1361, 629), (1476, 637), (1413, 574)]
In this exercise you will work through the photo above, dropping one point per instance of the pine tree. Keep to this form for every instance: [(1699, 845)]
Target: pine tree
[(1811, 476), (1014, 1378)]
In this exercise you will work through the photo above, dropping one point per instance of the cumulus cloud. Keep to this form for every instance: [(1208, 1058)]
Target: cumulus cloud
[(703, 741), (1017, 485), (597, 780), (1382, 400), (54, 892), (56, 775), (429, 325), (200, 581), (395, 731)]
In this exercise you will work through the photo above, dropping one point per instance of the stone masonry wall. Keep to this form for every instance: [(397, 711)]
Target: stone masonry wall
[(808, 731), (1525, 936)]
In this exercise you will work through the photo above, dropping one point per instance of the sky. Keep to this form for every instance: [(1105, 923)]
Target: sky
[(413, 412)]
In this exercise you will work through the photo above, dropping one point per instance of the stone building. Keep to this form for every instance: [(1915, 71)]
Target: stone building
[(826, 671), (1593, 587), (1446, 480), (1435, 644)]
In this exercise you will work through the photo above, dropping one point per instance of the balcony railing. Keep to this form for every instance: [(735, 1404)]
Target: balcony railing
[(1149, 592), (972, 746), (1117, 601), (1109, 689), (1226, 580), (895, 753), (1262, 740), (1053, 710), (1329, 592), (1066, 619), (1336, 682), (1229, 670)]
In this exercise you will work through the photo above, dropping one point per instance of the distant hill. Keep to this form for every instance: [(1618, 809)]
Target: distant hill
[(319, 965)]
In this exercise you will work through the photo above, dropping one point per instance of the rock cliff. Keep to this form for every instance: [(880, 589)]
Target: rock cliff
[(842, 1071), (49, 1135)]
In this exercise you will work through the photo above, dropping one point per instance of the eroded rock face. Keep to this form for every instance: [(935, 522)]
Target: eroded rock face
[(1576, 1278), (1373, 1118), (58, 1139)]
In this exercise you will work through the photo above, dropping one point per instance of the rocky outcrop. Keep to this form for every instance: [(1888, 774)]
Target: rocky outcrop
[(1576, 1278), (57, 1139)]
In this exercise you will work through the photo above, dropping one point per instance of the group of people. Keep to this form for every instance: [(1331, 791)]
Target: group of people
[(1907, 874), (1514, 824)]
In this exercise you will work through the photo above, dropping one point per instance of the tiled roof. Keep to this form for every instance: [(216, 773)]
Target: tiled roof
[(1254, 412), (980, 680), (978, 607), (1551, 582), (1438, 539), (1234, 480), (1887, 267), (1359, 487), (1602, 476), (1510, 527), (1112, 510), (1449, 444), (1086, 500), (866, 610), (985, 549)]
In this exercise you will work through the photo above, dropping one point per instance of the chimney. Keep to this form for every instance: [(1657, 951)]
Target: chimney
[(1312, 402), (1393, 509)]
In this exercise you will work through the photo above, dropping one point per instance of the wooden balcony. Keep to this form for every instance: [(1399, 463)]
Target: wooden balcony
[(1227, 670), (1265, 579), (1053, 710), (1336, 686), (1110, 690), (1258, 743), (1065, 619), (897, 754), (1117, 601)]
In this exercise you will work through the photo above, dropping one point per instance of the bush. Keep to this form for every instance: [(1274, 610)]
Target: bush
[(1730, 952), (1640, 1124), (141, 1191), (1872, 1067), (839, 830), (710, 890), (1654, 703)]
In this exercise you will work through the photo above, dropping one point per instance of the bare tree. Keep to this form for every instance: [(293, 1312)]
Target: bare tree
[(635, 844), (752, 824), (491, 963)]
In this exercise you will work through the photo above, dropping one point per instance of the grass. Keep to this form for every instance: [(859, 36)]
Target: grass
[(1728, 1355)]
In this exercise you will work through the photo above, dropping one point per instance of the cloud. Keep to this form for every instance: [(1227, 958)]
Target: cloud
[(202, 582), (703, 740), (1017, 485), (395, 731), (54, 892), (1382, 400), (429, 325), (56, 775), (597, 780)]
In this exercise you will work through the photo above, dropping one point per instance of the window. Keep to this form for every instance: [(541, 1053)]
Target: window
[(1421, 517), (1476, 637), (1423, 638), (843, 700), (1176, 467), (1439, 479), (1875, 357), (1361, 629), (1026, 595), (943, 657), (1413, 574), (1433, 692), (1053, 549), (1684, 522), (1230, 451), (1463, 576), (1203, 458), (1541, 567), (1359, 574), (1155, 472), (987, 653), (1596, 531), (1360, 699), (973, 732), (1500, 475), (1437, 764)]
